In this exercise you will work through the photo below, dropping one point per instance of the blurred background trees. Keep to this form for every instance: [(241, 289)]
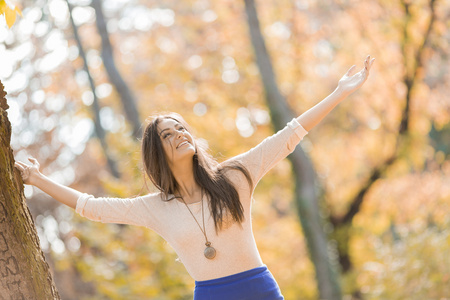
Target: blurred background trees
[(381, 159)]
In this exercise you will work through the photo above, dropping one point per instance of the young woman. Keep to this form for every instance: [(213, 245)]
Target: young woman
[(203, 208)]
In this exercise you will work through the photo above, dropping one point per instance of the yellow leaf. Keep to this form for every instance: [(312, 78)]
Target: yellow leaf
[(10, 16), (2, 7), (17, 10)]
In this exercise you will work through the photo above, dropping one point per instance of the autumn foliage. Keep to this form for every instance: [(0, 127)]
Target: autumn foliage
[(389, 142)]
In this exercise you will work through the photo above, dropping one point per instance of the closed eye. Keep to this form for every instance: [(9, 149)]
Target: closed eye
[(168, 134)]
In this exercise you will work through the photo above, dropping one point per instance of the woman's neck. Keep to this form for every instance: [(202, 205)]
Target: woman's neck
[(188, 188)]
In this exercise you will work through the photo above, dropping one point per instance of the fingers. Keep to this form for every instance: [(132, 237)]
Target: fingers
[(367, 65), (22, 167), (350, 70), (19, 166), (33, 160), (368, 62), (364, 72)]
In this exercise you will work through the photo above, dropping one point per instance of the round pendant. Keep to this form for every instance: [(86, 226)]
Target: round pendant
[(210, 252)]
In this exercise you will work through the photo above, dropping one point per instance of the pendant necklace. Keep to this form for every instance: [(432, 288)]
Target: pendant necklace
[(209, 252)]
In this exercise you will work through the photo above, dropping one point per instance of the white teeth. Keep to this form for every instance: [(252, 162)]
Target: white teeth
[(182, 144)]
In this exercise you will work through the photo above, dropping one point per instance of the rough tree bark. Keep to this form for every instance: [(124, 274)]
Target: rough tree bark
[(24, 272), (305, 176)]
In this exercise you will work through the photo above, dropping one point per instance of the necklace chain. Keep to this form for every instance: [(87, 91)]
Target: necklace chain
[(203, 217), (209, 252)]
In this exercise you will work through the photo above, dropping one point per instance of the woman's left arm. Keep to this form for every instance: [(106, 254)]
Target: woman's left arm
[(347, 85), (260, 159)]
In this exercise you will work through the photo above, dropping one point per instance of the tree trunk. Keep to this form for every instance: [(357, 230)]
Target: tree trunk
[(126, 96), (305, 176), (23, 270), (99, 131)]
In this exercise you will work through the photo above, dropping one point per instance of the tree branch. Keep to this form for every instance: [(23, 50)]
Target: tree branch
[(410, 81), (126, 96), (99, 131)]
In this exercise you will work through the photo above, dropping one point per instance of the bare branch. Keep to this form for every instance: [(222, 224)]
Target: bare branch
[(410, 80), (99, 131), (126, 96)]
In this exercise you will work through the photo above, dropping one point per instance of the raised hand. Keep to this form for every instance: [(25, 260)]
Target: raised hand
[(29, 173), (350, 83)]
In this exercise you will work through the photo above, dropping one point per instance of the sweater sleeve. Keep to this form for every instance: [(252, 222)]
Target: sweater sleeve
[(134, 211), (260, 159)]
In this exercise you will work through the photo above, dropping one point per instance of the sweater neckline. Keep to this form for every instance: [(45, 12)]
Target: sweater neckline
[(180, 201), (193, 203)]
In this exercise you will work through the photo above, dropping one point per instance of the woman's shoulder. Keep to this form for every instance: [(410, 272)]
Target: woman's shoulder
[(236, 171), (151, 196), (147, 199), (156, 198)]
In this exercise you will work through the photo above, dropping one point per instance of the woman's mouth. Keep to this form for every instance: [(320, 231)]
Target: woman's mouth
[(183, 143)]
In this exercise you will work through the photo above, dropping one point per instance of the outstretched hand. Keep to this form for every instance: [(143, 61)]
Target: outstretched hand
[(350, 83), (28, 173)]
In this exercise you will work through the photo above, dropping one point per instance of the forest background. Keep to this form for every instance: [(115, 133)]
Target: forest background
[(381, 159)]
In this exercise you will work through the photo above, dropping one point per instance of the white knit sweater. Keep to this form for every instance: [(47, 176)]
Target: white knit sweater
[(235, 245)]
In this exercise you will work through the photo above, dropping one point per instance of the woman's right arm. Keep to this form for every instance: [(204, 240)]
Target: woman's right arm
[(32, 176), (142, 211)]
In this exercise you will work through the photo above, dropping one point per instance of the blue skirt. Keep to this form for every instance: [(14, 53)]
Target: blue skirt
[(254, 284)]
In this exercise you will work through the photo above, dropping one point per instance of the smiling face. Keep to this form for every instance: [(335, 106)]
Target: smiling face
[(177, 142)]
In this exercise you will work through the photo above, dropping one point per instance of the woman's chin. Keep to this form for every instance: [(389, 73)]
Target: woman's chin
[(188, 152)]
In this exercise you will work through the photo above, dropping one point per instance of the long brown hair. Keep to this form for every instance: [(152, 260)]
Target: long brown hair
[(208, 173)]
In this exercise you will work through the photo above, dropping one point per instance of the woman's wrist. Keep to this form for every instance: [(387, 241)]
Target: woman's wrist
[(37, 179), (341, 92)]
